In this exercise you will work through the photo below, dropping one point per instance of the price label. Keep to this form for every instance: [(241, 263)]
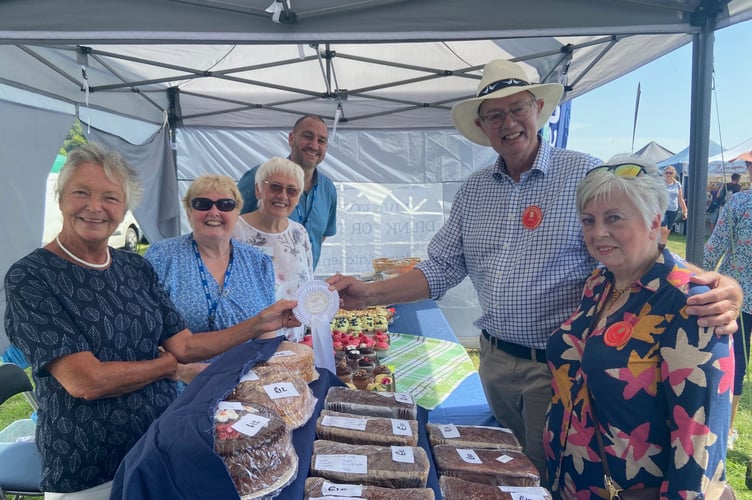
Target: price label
[(403, 454), (504, 458), (401, 427), (449, 431), (229, 405), (469, 456), (341, 490), (250, 376), (357, 424), (250, 424), (283, 353), (281, 390), (352, 464), (525, 492), (403, 397)]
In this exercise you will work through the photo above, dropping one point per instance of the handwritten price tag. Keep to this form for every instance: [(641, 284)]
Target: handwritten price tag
[(403, 397), (449, 431), (468, 455), (403, 454), (281, 390), (357, 424), (250, 425), (525, 492), (353, 464), (229, 405), (341, 490), (401, 427)]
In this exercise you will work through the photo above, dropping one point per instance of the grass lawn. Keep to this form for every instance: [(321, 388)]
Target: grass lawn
[(736, 462)]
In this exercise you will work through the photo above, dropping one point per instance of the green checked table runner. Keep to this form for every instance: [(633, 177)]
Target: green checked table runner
[(429, 369)]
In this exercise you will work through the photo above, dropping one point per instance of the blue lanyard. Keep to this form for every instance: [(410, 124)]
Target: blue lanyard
[(212, 304), (303, 218)]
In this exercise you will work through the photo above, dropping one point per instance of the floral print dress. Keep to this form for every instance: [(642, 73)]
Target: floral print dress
[(662, 387)]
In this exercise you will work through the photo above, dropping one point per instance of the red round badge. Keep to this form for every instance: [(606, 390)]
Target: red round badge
[(617, 334), (532, 217)]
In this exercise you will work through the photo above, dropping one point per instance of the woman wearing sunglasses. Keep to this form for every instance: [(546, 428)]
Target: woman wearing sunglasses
[(214, 281), (279, 183), (102, 336), (675, 203), (642, 395)]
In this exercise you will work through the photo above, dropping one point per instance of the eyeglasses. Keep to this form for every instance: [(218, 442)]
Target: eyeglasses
[(668, 172), (205, 204), (626, 170), (497, 118), (276, 188)]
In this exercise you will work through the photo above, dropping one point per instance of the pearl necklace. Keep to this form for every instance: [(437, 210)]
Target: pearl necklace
[(82, 261)]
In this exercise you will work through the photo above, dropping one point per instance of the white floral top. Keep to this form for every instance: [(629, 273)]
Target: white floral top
[(291, 255)]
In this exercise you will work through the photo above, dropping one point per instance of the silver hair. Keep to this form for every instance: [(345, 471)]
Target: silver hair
[(277, 165), (205, 183), (116, 168), (647, 191)]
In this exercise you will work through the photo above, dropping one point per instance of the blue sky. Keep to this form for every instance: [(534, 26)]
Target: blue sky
[(602, 119)]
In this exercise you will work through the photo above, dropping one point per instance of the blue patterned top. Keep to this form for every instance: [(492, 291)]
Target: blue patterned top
[(56, 308), (662, 387), (316, 209), (250, 290), (528, 279), (733, 236)]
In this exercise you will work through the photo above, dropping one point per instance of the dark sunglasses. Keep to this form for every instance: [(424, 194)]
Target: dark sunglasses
[(205, 204), (275, 188), (626, 170)]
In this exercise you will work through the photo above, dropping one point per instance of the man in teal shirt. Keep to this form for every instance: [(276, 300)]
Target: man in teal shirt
[(317, 207)]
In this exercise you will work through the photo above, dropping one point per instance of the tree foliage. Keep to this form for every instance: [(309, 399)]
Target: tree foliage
[(74, 139)]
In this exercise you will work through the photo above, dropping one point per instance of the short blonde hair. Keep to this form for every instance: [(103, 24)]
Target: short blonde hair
[(219, 183), (647, 190)]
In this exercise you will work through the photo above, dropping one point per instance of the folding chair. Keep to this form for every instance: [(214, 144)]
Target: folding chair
[(20, 463)]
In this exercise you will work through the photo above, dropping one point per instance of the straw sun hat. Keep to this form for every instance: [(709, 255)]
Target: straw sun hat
[(503, 78)]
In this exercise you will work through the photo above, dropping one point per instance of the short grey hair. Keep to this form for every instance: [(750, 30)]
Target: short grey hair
[(277, 165), (116, 168), (647, 191)]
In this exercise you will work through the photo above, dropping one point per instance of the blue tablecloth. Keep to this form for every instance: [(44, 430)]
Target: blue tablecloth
[(175, 459), (467, 405)]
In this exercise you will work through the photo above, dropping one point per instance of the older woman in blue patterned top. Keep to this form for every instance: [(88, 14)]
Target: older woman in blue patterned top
[(102, 336), (214, 280), (630, 366)]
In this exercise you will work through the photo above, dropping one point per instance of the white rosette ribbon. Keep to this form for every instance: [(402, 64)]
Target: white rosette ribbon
[(316, 307)]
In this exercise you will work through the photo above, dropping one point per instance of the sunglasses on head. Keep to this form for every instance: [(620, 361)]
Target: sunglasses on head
[(205, 204), (276, 188), (626, 170)]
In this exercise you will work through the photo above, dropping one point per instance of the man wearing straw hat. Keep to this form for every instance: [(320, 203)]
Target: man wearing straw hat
[(513, 229)]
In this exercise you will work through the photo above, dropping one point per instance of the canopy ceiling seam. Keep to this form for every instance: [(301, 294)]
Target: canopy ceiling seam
[(321, 11), (120, 77), (50, 65)]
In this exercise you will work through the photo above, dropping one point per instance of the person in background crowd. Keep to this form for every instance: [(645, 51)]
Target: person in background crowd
[(213, 280), (729, 246), (102, 336), (513, 229), (636, 382), (675, 202), (279, 183), (317, 206), (720, 197)]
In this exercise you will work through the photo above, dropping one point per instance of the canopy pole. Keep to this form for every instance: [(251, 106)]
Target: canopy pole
[(699, 136)]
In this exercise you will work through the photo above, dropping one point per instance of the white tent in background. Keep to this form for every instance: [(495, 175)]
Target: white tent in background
[(653, 152), (680, 160), (722, 163)]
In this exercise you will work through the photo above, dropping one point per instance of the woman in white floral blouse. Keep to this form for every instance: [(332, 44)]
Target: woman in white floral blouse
[(279, 183)]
